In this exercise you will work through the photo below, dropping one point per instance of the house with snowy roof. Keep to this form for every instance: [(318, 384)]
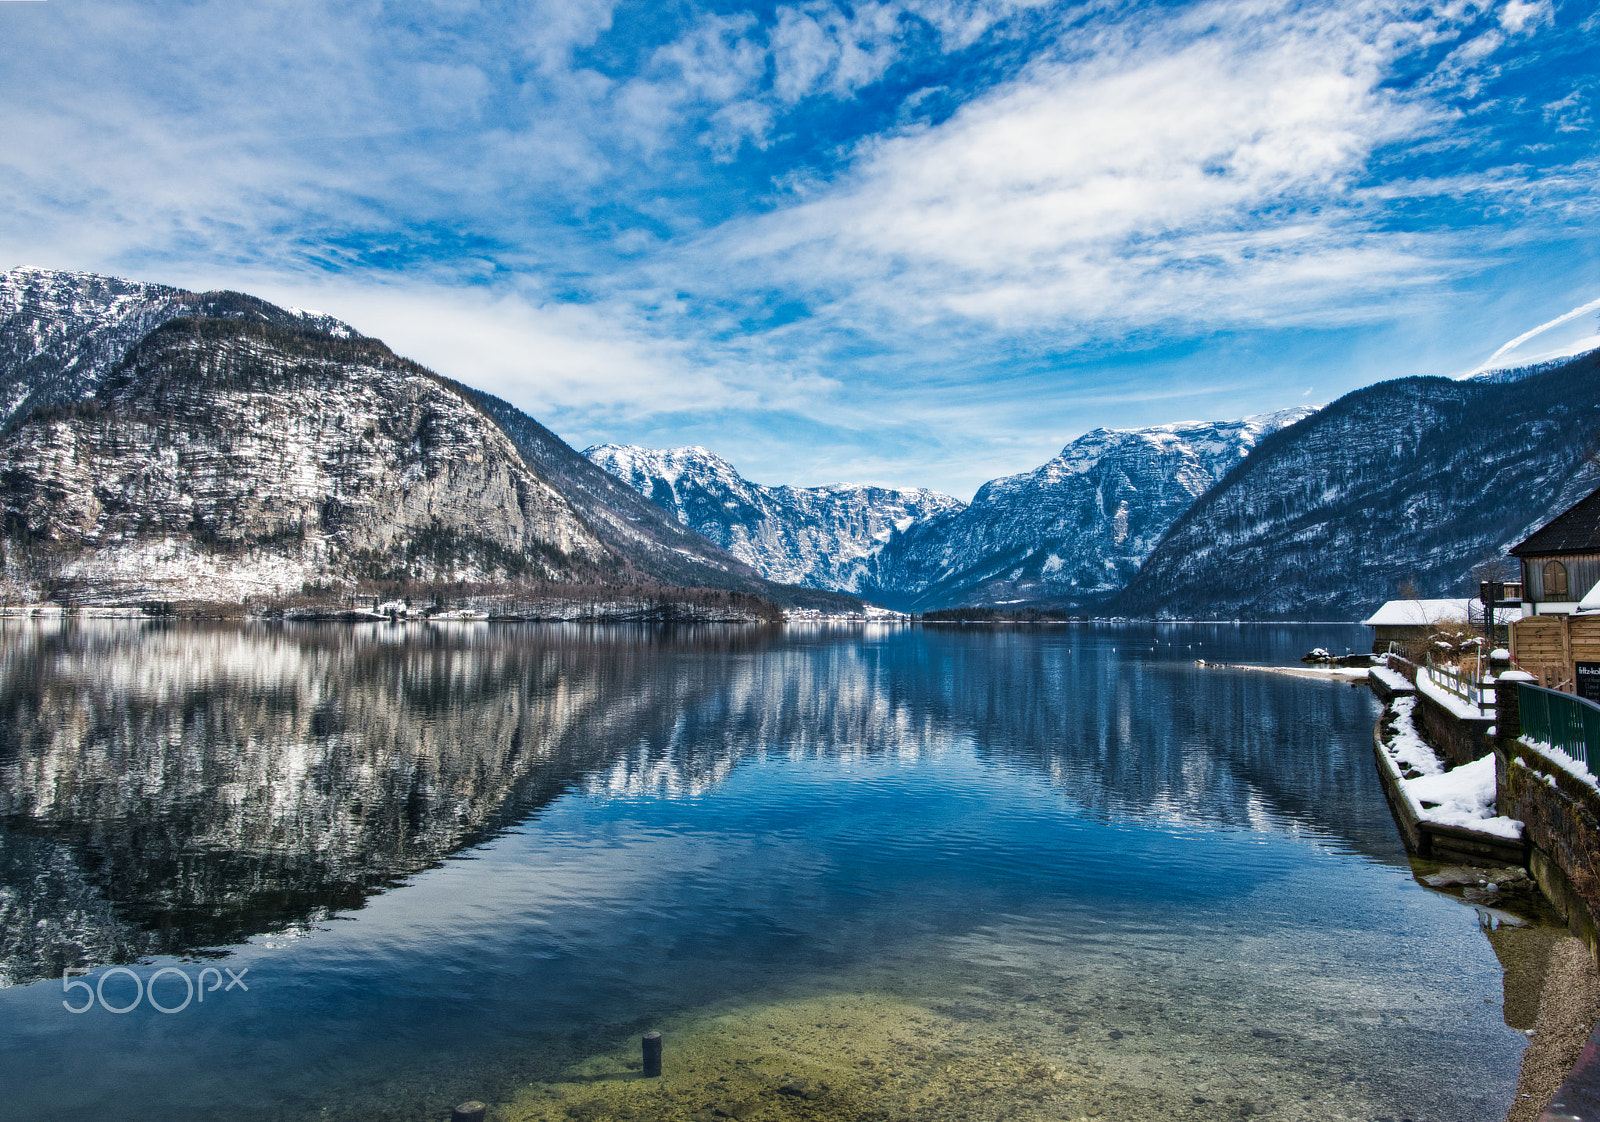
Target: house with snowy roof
[(1561, 562), (1558, 638), (1407, 621)]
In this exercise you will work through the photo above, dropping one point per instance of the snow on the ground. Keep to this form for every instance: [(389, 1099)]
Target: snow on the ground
[(1463, 796), (1406, 749), (1462, 709), (1339, 673), (1563, 760), (1392, 678)]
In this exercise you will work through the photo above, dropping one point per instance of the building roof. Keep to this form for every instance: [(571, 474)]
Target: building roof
[(1418, 613), (1576, 530), (1427, 613)]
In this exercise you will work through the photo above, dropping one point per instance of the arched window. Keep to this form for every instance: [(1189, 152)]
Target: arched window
[(1555, 580)]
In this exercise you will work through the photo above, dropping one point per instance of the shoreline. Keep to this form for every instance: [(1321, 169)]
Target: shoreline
[(1569, 1007), (205, 610)]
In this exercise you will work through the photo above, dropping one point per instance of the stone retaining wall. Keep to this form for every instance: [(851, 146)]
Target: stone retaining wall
[(1560, 815), (1561, 819), (1457, 739)]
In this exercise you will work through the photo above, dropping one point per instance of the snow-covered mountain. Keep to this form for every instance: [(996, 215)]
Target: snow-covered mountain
[(1416, 480), (823, 537), (162, 444), (1072, 531), (227, 458), (61, 333)]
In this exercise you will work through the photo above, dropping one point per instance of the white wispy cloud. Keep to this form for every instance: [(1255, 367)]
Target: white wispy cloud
[(1548, 341), (1210, 166), (819, 46), (592, 220), (1519, 16)]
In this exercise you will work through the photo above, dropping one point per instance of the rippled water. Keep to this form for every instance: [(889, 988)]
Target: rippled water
[(1060, 872)]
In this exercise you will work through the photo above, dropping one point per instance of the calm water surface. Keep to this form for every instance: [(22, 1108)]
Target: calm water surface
[(947, 873)]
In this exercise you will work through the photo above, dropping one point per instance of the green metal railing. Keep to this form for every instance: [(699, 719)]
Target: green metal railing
[(1561, 720)]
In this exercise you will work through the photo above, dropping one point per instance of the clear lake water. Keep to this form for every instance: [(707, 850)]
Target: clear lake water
[(886, 872)]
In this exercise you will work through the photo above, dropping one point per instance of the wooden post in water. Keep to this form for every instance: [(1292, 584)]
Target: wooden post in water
[(468, 1112), (652, 1054)]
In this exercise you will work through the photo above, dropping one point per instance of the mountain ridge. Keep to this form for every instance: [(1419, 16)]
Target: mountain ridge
[(237, 449), (149, 434), (1072, 531), (821, 536), (1413, 480), (62, 332), (1068, 532)]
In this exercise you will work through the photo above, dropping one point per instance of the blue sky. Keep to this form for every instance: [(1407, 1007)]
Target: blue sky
[(919, 242)]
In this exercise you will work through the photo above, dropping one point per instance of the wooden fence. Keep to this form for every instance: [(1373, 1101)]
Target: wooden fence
[(1547, 646)]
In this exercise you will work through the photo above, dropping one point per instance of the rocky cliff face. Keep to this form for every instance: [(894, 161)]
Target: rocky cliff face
[(1418, 479), (825, 537), (208, 446), (62, 333), (1074, 530), (225, 458)]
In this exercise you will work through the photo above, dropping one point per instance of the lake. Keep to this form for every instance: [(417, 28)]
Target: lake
[(888, 872)]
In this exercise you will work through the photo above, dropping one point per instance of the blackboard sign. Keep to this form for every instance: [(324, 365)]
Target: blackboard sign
[(1588, 680)]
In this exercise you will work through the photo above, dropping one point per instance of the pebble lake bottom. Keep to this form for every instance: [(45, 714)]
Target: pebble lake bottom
[(882, 873)]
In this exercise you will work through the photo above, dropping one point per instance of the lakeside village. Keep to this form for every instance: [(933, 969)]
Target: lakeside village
[(1488, 749)]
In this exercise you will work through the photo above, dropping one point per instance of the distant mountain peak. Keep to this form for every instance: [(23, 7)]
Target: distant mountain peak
[(824, 537), (1074, 529), (662, 463), (62, 332)]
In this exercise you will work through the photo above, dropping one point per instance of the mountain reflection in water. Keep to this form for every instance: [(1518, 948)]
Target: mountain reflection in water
[(167, 789)]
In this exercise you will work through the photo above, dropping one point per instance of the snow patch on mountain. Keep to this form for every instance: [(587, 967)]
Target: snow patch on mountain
[(823, 537), (62, 333), (1073, 530)]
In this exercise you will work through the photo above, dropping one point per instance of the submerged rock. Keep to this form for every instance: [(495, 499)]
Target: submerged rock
[(803, 1089), (1497, 878)]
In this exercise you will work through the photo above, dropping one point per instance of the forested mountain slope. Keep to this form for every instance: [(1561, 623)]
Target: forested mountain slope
[(1071, 532), (1418, 479)]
